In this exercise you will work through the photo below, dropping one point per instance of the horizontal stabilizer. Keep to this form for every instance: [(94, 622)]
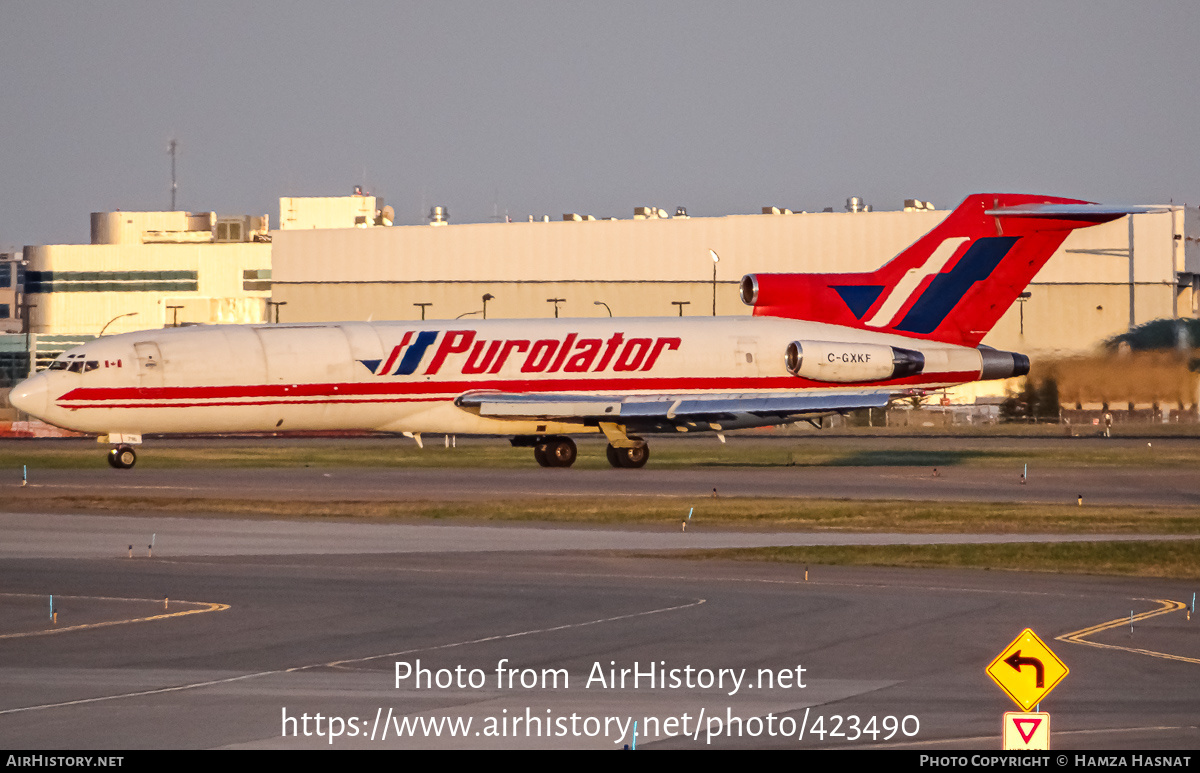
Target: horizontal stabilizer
[(1099, 212)]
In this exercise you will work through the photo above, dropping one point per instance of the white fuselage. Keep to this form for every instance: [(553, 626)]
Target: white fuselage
[(405, 376)]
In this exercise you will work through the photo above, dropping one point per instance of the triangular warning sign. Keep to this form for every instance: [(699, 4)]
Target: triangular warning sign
[(1031, 723), (1026, 730)]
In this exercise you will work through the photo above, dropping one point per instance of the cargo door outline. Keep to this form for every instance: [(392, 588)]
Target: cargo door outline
[(149, 364), (745, 356)]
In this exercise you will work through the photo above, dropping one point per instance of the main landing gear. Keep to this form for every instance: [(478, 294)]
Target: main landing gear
[(122, 457), (560, 451), (631, 458), (555, 451)]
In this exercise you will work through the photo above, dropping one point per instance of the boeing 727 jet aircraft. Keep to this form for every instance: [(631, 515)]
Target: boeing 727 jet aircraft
[(815, 344)]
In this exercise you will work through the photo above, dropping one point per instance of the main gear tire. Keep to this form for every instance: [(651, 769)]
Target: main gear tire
[(634, 458), (561, 452), (628, 458)]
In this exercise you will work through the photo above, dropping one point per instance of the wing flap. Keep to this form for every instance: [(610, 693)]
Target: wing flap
[(637, 409)]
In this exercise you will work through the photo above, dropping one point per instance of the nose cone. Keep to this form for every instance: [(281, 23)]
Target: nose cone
[(31, 396)]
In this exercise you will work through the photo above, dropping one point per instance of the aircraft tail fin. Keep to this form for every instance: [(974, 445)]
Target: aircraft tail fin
[(951, 285)]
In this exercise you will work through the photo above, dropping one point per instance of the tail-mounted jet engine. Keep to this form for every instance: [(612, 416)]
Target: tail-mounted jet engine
[(1001, 364), (851, 362)]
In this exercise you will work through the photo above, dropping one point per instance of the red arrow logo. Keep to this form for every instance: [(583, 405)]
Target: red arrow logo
[(1031, 723)]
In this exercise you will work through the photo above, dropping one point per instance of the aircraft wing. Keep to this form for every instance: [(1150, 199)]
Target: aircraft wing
[(655, 411)]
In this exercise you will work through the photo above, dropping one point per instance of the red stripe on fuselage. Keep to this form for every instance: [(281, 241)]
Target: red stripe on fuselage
[(279, 393), (230, 403)]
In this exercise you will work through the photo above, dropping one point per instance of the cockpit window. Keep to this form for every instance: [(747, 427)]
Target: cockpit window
[(58, 365), (90, 365), (76, 366)]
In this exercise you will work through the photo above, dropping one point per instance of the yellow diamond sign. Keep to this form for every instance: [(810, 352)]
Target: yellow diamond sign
[(1027, 670)]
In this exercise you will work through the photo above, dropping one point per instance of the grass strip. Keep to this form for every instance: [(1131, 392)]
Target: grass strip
[(731, 513), (1174, 560)]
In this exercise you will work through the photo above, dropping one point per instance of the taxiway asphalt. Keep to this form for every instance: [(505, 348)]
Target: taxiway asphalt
[(269, 639), (238, 628)]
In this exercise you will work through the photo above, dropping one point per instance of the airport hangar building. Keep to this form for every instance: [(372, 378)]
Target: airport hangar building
[(338, 258), (143, 270)]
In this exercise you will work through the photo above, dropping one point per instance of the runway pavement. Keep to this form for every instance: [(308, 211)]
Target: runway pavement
[(1098, 485), (42, 535)]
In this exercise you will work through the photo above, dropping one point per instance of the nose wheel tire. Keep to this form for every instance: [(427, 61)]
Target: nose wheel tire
[(555, 452), (122, 457), (629, 458)]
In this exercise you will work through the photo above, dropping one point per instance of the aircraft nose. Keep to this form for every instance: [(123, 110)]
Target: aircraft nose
[(31, 396)]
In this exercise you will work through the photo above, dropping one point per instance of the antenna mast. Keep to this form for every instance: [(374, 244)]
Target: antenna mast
[(171, 149)]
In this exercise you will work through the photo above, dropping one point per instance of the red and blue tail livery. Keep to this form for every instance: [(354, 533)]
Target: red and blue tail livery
[(952, 285)]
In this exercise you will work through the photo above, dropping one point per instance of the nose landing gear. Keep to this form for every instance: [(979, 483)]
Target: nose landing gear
[(122, 457)]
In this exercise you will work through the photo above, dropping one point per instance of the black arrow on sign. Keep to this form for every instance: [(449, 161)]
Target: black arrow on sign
[(1016, 661)]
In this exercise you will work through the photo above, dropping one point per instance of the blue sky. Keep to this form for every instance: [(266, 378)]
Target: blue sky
[(544, 108)]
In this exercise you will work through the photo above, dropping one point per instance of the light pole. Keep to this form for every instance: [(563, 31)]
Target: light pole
[(556, 301), (487, 297), (1021, 300), (30, 340), (681, 304), (422, 305), (716, 260), (605, 305), (114, 319), (276, 304), (175, 315)]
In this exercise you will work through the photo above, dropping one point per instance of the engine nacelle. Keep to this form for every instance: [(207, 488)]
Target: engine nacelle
[(773, 289), (1001, 364), (851, 362)]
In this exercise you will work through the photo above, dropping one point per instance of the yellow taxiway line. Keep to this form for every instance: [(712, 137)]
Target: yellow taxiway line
[(199, 607), (1165, 606)]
